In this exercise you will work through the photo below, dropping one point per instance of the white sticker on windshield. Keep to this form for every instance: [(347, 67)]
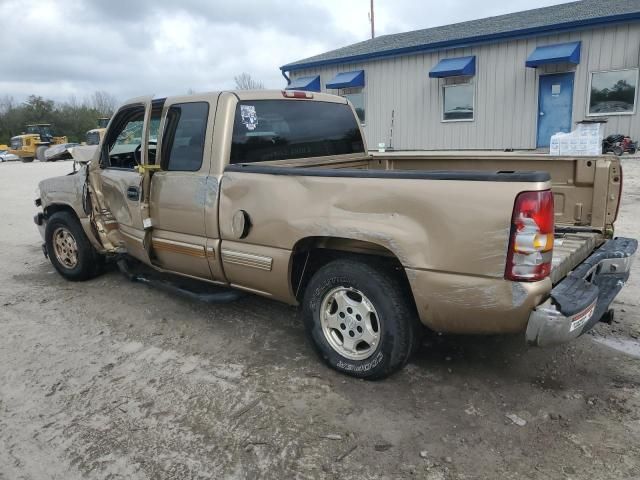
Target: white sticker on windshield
[(249, 116)]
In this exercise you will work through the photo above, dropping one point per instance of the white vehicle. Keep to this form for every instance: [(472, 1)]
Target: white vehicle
[(5, 156)]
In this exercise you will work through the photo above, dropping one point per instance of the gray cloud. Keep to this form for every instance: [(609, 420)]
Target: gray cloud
[(61, 48)]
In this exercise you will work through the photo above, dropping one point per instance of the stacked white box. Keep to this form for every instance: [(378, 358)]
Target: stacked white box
[(586, 139)]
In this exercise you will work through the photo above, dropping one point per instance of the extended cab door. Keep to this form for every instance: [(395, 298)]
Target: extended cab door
[(182, 189), (126, 146)]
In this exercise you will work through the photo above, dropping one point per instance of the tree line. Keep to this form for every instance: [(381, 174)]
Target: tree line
[(72, 118)]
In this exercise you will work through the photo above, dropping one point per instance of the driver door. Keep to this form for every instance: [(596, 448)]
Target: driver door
[(126, 145)]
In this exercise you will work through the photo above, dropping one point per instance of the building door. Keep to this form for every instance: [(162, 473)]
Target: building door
[(555, 102)]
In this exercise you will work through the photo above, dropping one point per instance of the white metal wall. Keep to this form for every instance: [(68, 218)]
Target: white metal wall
[(506, 102)]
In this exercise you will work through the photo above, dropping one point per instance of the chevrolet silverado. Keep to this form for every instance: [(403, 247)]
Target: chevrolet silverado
[(275, 193)]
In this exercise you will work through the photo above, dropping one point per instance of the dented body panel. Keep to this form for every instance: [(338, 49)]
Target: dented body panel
[(444, 218)]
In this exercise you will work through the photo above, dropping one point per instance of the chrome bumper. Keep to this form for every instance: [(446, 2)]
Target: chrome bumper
[(582, 299)]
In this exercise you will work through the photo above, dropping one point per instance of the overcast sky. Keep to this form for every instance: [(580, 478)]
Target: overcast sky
[(132, 47)]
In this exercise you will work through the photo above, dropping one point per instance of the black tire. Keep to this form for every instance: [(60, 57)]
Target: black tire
[(618, 150), (89, 262), (384, 289), (632, 150), (40, 153), (26, 159)]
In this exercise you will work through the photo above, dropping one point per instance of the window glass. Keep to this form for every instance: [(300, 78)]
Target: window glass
[(458, 102), (183, 145), (284, 129), (356, 97), (613, 92), (126, 138)]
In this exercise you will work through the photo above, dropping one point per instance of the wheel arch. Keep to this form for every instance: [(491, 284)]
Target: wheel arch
[(309, 254), (84, 221), (49, 210)]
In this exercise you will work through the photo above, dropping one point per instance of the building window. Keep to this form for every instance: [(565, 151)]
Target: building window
[(458, 102), (356, 97), (613, 92)]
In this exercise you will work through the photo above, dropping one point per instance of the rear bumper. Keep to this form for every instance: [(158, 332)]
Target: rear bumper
[(579, 301)]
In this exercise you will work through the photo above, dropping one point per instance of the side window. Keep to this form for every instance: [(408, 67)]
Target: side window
[(183, 141), (124, 138)]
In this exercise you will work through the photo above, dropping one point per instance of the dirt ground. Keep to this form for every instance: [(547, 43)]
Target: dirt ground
[(113, 380)]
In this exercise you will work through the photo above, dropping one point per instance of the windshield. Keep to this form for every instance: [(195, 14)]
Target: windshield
[(39, 130), (284, 129)]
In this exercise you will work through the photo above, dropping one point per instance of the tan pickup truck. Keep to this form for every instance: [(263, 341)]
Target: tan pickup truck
[(274, 193)]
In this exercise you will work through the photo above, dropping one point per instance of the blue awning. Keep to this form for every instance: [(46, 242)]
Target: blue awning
[(454, 67), (559, 53), (347, 80), (308, 84)]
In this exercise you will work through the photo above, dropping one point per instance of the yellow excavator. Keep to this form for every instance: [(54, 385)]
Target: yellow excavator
[(94, 136), (34, 141)]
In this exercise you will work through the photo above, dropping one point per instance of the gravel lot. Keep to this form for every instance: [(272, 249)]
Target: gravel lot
[(113, 380)]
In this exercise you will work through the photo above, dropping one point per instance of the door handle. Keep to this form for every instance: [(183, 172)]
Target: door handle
[(542, 114), (133, 193)]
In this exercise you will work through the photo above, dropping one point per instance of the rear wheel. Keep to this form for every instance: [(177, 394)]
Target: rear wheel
[(69, 249), (40, 153), (360, 318), (27, 159)]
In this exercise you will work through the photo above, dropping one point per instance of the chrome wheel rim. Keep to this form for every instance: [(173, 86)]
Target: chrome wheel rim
[(65, 247), (350, 323)]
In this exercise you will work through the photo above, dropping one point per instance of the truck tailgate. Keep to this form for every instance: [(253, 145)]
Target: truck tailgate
[(571, 249)]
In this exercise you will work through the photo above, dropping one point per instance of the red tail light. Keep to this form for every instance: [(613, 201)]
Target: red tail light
[(531, 243), (296, 94)]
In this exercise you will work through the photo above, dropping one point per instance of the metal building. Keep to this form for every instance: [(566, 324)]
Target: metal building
[(503, 82)]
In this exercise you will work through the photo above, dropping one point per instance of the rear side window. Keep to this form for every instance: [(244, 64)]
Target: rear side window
[(285, 129), (183, 143)]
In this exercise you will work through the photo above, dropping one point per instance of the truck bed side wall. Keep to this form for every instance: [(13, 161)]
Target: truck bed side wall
[(433, 227), (586, 190)]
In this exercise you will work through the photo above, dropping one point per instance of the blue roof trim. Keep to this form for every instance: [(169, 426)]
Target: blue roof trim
[(454, 67), (558, 53), (307, 84), (347, 80), (467, 42)]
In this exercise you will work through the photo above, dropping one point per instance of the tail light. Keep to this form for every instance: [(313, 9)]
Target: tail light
[(296, 94), (531, 243)]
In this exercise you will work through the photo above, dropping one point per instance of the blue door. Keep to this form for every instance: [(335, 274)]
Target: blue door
[(555, 101)]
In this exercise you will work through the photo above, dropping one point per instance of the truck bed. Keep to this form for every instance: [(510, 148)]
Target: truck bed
[(586, 189)]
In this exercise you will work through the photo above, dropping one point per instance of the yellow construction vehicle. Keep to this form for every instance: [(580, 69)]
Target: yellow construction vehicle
[(94, 136), (34, 141)]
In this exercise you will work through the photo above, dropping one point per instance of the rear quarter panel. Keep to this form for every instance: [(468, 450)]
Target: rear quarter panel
[(457, 228)]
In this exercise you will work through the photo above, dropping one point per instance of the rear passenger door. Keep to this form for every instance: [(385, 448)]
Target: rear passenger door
[(181, 189)]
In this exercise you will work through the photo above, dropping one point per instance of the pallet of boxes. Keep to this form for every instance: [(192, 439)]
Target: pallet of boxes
[(585, 140)]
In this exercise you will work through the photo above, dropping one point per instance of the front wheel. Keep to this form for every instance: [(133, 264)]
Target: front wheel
[(618, 150), (27, 159), (360, 318), (69, 249)]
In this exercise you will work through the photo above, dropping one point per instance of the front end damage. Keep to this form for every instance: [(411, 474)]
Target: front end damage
[(68, 192), (583, 297)]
